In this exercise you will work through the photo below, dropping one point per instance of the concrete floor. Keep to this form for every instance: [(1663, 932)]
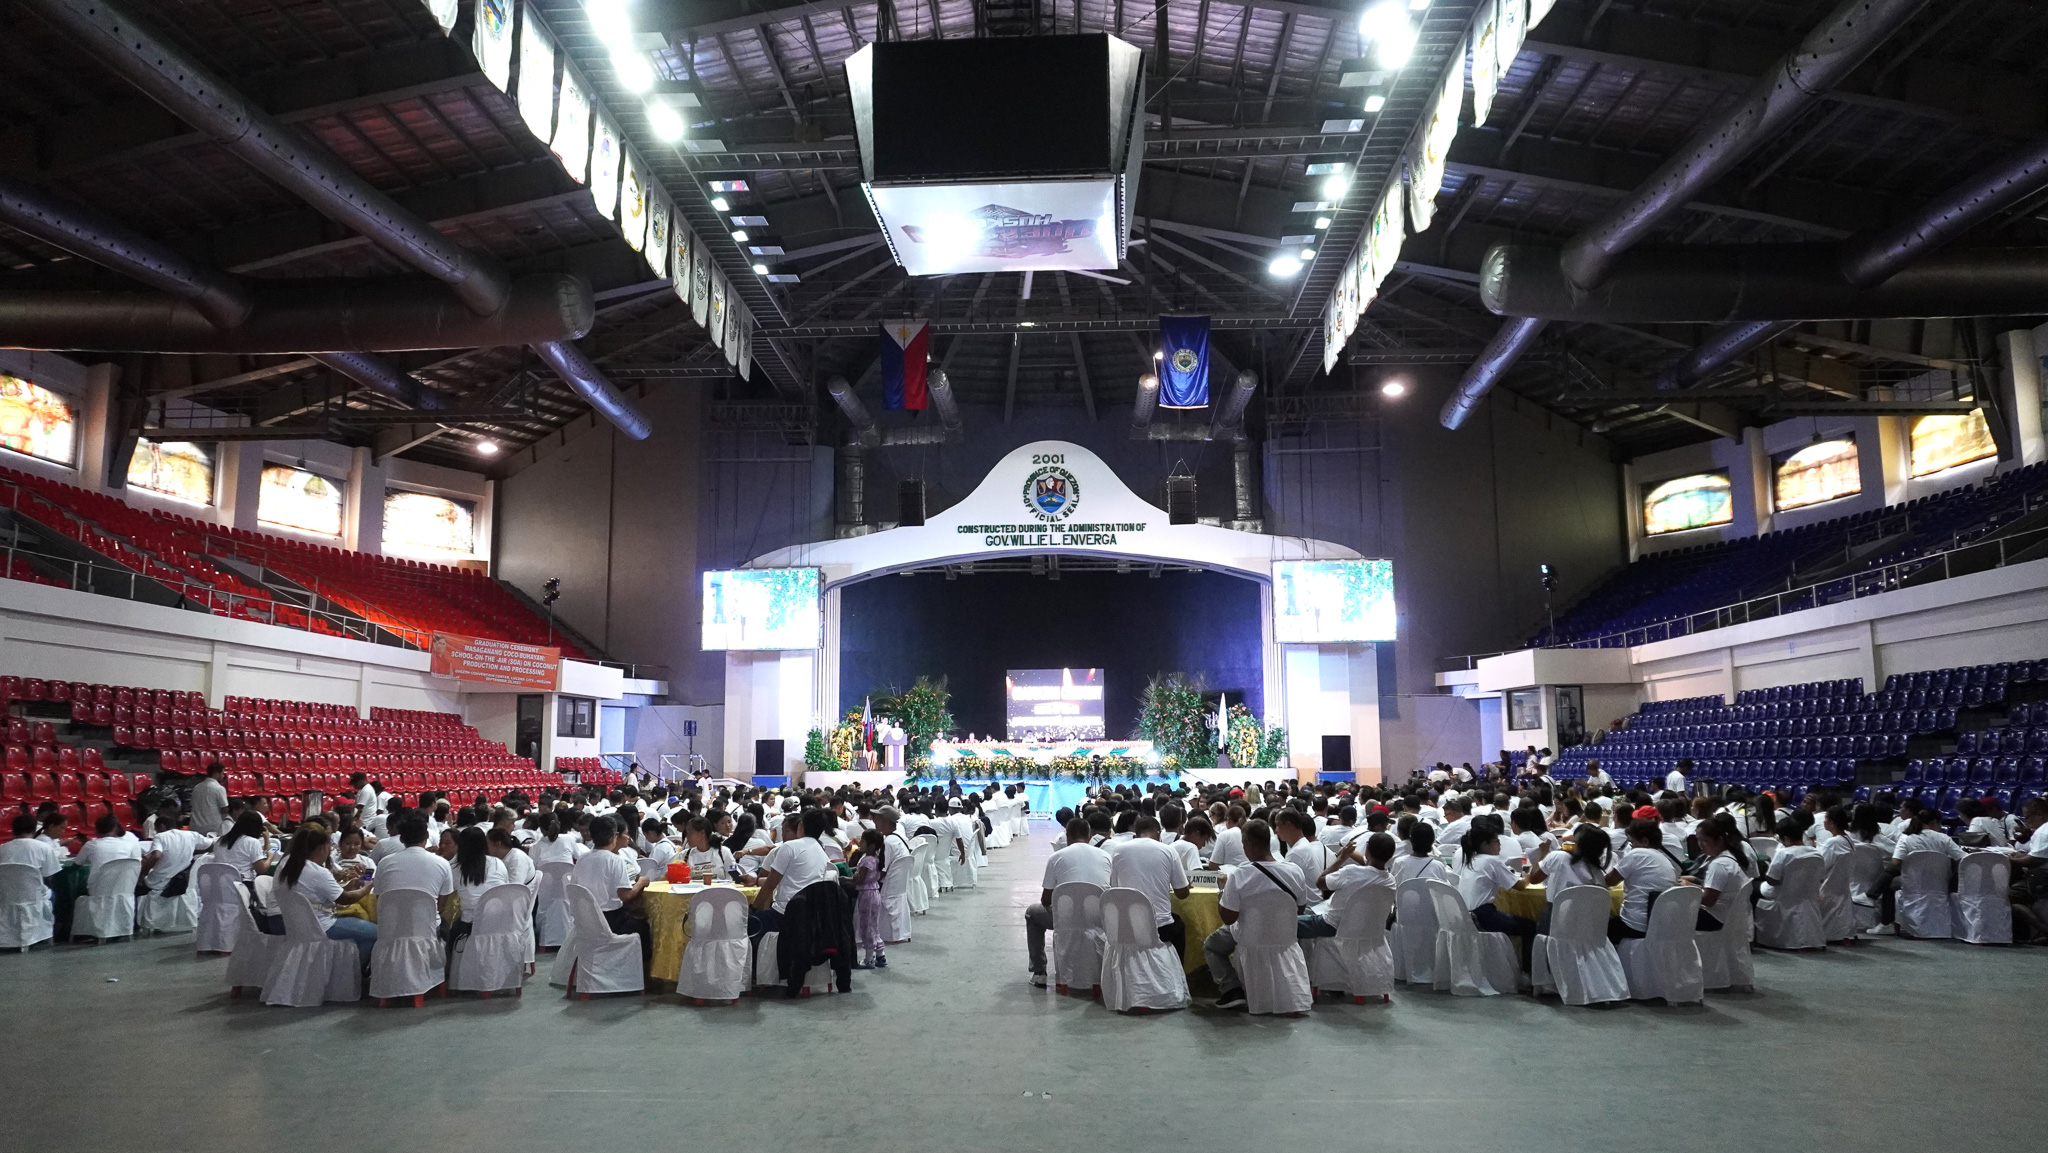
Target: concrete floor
[(950, 1049)]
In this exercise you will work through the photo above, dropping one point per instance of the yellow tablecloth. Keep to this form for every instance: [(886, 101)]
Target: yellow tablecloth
[(1201, 916), (1529, 902), (668, 916), (451, 907)]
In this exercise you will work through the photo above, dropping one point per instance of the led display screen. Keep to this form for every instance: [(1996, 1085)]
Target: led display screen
[(1333, 601), (768, 608), (1054, 704), (1698, 501), (941, 229)]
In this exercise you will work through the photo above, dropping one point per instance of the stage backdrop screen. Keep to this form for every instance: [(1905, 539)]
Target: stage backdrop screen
[(1055, 704), (1333, 601), (767, 608)]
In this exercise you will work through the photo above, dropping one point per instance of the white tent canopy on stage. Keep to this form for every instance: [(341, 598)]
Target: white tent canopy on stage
[(1315, 690)]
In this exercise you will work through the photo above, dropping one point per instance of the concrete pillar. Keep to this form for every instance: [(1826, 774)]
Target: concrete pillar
[(1895, 456), (363, 521), (238, 483), (93, 436), (217, 677), (1761, 494), (2022, 373)]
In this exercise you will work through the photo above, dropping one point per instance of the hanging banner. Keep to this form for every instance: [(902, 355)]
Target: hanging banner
[(446, 12), (1387, 237), (746, 365), (1538, 9), (700, 285), (604, 166), (536, 79), (492, 44), (682, 259), (906, 346), (715, 325), (1486, 71), (657, 230), (1347, 302), (1426, 165), (632, 200), (571, 141), (1507, 36), (1333, 338), (733, 308), (501, 664), (1184, 369)]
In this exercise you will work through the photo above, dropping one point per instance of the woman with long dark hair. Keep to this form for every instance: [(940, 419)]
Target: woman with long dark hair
[(305, 872), (1482, 874), (707, 855), (476, 872), (245, 846), (1643, 870), (1585, 864)]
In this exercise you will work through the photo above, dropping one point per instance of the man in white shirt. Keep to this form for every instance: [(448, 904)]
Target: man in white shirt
[(1076, 861), (366, 794), (792, 866), (170, 853), (1597, 777), (1309, 856), (110, 842), (1343, 829), (1260, 874), (1350, 869), (28, 849), (209, 802), (1674, 781), (411, 866), (1229, 847), (1458, 812), (1148, 865), (614, 880)]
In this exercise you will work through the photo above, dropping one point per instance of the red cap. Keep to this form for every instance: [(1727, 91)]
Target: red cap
[(1237, 792), (1646, 813)]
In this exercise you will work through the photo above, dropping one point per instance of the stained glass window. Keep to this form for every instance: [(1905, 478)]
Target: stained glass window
[(1944, 441), (176, 468), (1698, 501), (35, 421), (420, 523), (296, 499), (1819, 472)]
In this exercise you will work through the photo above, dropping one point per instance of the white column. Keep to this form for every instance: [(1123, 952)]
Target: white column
[(217, 677), (1367, 758), (1760, 494), (238, 478), (363, 527), (2023, 370), (1895, 452)]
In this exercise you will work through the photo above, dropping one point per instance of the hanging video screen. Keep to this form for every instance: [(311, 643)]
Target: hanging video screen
[(1055, 704), (761, 609), (1333, 601)]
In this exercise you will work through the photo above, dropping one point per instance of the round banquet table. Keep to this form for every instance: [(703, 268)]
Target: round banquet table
[(668, 917), (1530, 901), (1201, 916), (366, 909)]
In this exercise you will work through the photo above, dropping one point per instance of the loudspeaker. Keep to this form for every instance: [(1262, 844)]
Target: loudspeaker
[(768, 760), (1337, 753), (910, 503), (1180, 500)]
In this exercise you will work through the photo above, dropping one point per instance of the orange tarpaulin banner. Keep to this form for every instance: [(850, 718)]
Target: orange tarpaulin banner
[(487, 662)]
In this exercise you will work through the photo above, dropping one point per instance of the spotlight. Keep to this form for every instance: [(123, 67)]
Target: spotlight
[(739, 236), (1158, 354), (1334, 187), (760, 270), (487, 447), (666, 123), (610, 21), (1375, 102), (1284, 266), (634, 72), (1322, 222), (1386, 26), (1393, 388), (1308, 254), (720, 204)]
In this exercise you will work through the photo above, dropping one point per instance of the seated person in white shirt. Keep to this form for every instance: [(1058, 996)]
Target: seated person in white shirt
[(412, 866), (1726, 865), (1259, 874), (110, 842), (789, 868), (1077, 860), (1415, 854), (305, 872), (707, 856), (1147, 864), (2029, 871), (28, 849), (1229, 846), (1359, 863), (477, 872), (170, 854), (1061, 820), (1342, 829), (1482, 874), (1643, 869), (505, 847), (1791, 847), (1558, 870), (1196, 835), (1457, 812), (659, 850), (1310, 857), (245, 846), (1984, 831), (615, 882)]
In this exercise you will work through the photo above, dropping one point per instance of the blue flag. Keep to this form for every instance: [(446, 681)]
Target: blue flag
[(1184, 370)]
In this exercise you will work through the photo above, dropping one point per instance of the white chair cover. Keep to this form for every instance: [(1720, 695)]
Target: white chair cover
[(1358, 960), (1575, 960), (1077, 936), (1469, 963), (944, 856), (1414, 936), (601, 961), (715, 959), (306, 967), (179, 914), (108, 908), (1983, 908), (920, 892), (26, 917), (1923, 899), (896, 902), (1837, 911), (223, 905), (1725, 958), (1764, 848), (551, 904), (768, 967), (249, 963), (1269, 959), (493, 957), (409, 959), (1790, 918), (968, 872), (1666, 961), (1139, 971), (1866, 872)]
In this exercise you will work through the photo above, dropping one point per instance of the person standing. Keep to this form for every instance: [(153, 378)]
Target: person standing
[(209, 802)]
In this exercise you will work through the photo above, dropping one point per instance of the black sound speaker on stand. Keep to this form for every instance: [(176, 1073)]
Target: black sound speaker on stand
[(910, 503), (768, 760), (1180, 499)]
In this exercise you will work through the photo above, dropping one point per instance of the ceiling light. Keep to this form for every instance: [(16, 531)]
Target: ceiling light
[(1027, 324), (1334, 187), (1418, 5), (1375, 102), (1308, 254), (1322, 222), (760, 270), (740, 236), (487, 447), (1158, 354), (610, 21), (720, 204), (1284, 266), (1392, 36), (728, 186), (634, 72), (1393, 388), (666, 124)]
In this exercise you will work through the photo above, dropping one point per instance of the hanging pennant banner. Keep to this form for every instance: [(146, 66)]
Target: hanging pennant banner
[(700, 285), (1184, 369), (632, 200), (536, 78), (1388, 235), (604, 167), (733, 307), (1426, 166), (682, 259), (657, 230), (1486, 70), (492, 44), (715, 325), (446, 12), (571, 141), (1333, 339), (1507, 36), (746, 365)]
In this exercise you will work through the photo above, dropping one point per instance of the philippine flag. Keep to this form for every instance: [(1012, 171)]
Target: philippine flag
[(906, 344)]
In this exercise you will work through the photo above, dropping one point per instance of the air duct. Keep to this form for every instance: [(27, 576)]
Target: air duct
[(220, 298), (865, 432), (353, 314), (1872, 260), (380, 375), (1230, 415), (580, 374), (1822, 60), (193, 94), (1241, 472), (853, 491), (1739, 283)]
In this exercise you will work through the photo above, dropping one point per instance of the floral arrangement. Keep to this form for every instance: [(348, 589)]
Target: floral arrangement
[(1171, 716), (818, 752)]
